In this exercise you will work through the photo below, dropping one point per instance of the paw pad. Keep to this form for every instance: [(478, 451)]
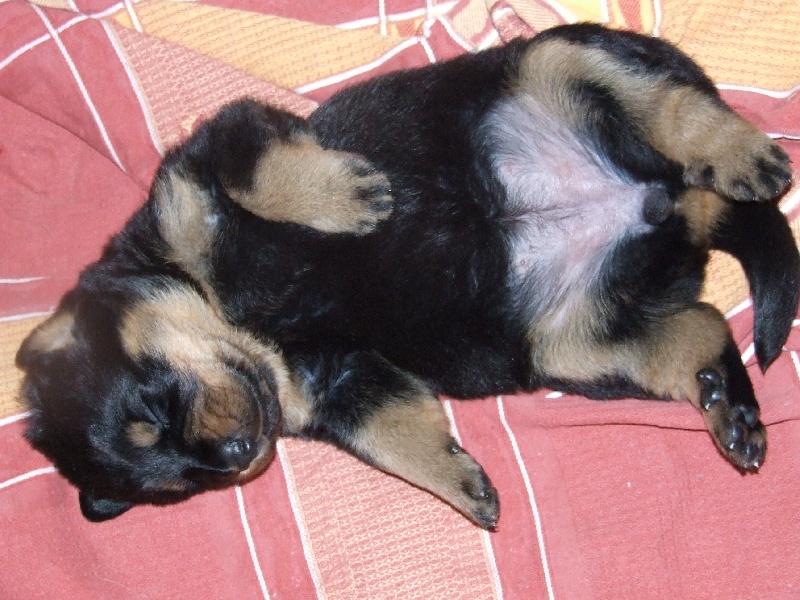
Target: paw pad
[(733, 423)]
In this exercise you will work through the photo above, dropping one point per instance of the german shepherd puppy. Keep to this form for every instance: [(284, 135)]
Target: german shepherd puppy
[(534, 215)]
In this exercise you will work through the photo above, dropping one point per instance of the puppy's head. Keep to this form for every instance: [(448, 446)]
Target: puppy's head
[(149, 399)]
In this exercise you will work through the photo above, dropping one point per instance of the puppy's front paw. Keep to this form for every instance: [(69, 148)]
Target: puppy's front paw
[(299, 181), (473, 493), (370, 194), (734, 423), (748, 167)]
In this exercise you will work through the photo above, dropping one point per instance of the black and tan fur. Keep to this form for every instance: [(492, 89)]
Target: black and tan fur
[(535, 215)]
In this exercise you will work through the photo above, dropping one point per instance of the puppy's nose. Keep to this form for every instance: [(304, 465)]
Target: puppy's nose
[(239, 453)]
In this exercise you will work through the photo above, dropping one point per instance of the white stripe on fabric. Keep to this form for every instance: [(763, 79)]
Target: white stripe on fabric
[(61, 28), (14, 418), (305, 538), (133, 16), (531, 498), (659, 16), (22, 50), (454, 35), (758, 90), (382, 17), (26, 476), (18, 280), (486, 539), (248, 534), (561, 11), (791, 202), (427, 12), (748, 353), (344, 76), (795, 362), (428, 50), (10, 318), (84, 92), (741, 307), (137, 90), (489, 40)]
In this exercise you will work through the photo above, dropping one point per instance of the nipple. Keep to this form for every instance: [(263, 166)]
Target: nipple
[(657, 206)]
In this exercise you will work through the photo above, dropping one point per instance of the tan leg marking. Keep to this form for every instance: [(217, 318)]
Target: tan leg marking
[(703, 210), (679, 347), (186, 221), (674, 360), (300, 182), (411, 438), (714, 145), (665, 362)]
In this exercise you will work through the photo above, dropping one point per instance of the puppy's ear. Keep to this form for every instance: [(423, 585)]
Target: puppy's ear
[(52, 335), (97, 510)]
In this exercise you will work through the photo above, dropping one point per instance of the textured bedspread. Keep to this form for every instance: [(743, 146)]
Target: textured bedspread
[(623, 499)]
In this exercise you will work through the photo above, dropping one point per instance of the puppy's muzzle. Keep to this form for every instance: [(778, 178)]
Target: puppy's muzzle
[(238, 453)]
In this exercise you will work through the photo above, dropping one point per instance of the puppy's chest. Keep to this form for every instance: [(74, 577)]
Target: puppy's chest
[(566, 209)]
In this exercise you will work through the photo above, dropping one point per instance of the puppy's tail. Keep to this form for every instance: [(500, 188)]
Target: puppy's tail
[(759, 236)]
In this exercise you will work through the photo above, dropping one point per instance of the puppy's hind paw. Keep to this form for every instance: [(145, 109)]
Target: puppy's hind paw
[(751, 167), (734, 423)]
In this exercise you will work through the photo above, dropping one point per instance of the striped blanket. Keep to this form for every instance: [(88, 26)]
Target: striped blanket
[(624, 499)]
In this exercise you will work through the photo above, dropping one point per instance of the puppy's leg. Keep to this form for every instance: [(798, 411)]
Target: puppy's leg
[(269, 162), (689, 355), (298, 181), (619, 84), (392, 421)]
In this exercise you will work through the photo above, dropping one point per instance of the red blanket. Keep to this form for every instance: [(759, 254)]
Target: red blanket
[(625, 499)]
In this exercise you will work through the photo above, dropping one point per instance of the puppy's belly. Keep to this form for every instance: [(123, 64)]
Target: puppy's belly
[(567, 209)]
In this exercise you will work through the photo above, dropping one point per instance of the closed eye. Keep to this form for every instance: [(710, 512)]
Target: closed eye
[(152, 416)]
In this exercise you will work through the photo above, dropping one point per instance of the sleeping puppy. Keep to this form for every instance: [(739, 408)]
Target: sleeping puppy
[(535, 215)]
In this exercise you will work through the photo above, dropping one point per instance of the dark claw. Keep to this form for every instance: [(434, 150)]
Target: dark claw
[(735, 435), (488, 516), (753, 457), (361, 168), (773, 177), (710, 377), (375, 192), (487, 521), (454, 448), (712, 398), (712, 384), (749, 414), (743, 191), (488, 511), (706, 177), (780, 155)]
